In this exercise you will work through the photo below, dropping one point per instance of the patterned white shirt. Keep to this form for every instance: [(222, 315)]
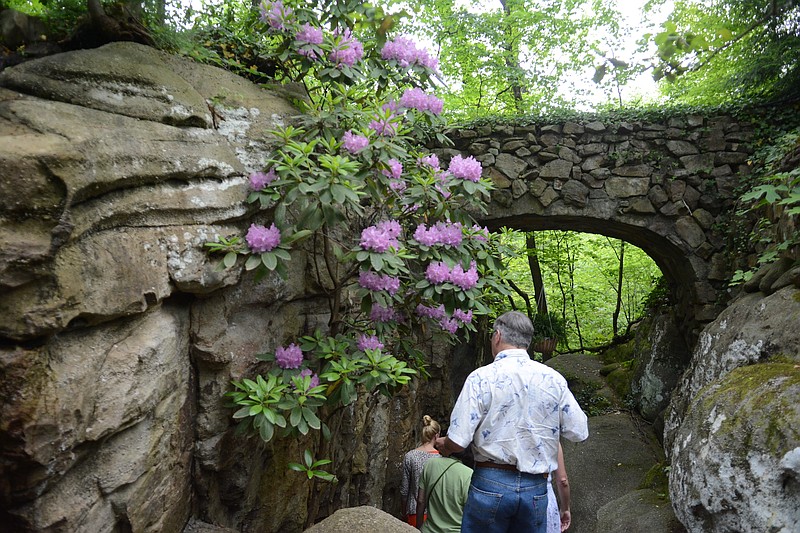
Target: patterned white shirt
[(514, 410)]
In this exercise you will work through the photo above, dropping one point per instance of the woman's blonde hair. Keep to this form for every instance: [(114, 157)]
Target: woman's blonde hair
[(430, 430)]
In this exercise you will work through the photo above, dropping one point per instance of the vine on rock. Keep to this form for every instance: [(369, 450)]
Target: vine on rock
[(385, 223)]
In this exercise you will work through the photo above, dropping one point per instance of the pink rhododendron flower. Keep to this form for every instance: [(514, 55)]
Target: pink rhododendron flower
[(289, 357), (382, 314), (445, 233), (405, 52), (259, 180), (437, 272), (314, 377), (463, 316), (417, 99), (430, 160), (378, 282), (394, 170), (354, 143), (346, 49), (450, 325), (263, 239), (307, 37), (275, 14), (435, 313), (464, 279), (467, 168), (309, 34), (369, 342), (381, 237)]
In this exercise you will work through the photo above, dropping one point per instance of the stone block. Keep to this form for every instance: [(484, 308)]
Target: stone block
[(557, 168)]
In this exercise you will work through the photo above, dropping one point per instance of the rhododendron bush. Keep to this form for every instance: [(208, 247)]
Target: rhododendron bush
[(386, 224)]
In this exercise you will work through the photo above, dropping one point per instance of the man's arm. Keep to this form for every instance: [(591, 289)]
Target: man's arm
[(446, 447)]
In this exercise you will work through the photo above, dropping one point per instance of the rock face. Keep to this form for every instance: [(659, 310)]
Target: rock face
[(121, 336), (731, 432)]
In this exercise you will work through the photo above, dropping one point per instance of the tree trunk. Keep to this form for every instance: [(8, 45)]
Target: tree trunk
[(615, 320), (536, 273)]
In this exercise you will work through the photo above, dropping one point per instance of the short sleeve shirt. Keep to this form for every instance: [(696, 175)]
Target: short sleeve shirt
[(413, 461), (514, 410)]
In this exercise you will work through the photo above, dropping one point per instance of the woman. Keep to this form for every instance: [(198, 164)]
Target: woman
[(413, 461), (558, 520)]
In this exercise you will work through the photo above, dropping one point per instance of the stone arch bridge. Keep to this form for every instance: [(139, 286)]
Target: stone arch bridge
[(666, 187)]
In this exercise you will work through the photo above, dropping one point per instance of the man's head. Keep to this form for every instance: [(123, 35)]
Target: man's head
[(511, 330)]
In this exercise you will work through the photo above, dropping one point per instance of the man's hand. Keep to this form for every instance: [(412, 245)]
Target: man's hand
[(446, 447)]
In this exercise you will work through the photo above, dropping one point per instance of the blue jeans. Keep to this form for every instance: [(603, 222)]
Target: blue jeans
[(504, 501)]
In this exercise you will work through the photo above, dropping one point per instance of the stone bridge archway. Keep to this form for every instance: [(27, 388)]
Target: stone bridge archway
[(666, 187)]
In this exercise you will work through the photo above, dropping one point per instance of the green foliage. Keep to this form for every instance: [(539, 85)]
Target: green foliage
[(310, 467), (350, 182), (507, 58), (773, 195), (548, 326), (729, 50), (580, 277)]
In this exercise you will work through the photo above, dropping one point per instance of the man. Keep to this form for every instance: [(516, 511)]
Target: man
[(443, 489), (513, 412)]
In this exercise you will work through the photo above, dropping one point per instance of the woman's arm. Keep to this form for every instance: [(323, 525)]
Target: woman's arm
[(562, 487)]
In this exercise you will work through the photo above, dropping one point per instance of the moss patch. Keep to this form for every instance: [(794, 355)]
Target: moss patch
[(760, 404)]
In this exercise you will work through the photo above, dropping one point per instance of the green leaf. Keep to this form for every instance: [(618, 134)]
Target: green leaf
[(252, 262), (377, 261), (269, 260), (242, 413), (229, 260), (311, 418), (266, 431)]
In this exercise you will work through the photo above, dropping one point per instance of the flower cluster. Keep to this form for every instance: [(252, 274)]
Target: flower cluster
[(259, 180), (438, 272), (314, 378), (275, 14), (446, 233), (369, 342), (262, 239), (439, 314), (394, 170), (380, 313), (406, 53), (308, 35), (479, 234), (465, 168), (346, 49), (417, 99), (378, 282), (381, 237), (289, 357), (435, 313), (431, 160), (354, 143), (385, 122)]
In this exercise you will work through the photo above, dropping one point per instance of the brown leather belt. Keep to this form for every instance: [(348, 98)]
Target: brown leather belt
[(502, 466)]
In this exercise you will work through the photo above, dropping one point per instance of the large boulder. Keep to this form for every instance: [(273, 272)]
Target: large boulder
[(736, 457), (731, 432)]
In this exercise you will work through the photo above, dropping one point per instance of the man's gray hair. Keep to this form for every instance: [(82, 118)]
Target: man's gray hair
[(516, 329)]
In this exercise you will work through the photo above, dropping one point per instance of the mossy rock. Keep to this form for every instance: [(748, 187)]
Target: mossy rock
[(620, 380), (619, 353)]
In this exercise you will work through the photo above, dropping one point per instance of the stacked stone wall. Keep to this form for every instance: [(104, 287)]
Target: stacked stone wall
[(668, 188)]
